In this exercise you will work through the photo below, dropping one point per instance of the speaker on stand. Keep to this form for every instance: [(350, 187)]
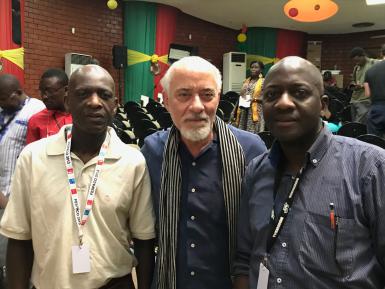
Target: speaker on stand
[(119, 61)]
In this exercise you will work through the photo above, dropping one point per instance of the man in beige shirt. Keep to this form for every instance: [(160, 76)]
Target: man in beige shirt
[(78, 199)]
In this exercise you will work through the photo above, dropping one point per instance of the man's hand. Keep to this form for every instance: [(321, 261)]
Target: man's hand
[(144, 252), (3, 200), (241, 282), (19, 263)]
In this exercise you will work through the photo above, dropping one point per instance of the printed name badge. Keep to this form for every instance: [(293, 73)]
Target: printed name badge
[(81, 259), (263, 277)]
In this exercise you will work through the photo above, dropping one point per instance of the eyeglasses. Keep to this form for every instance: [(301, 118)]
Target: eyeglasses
[(49, 91)]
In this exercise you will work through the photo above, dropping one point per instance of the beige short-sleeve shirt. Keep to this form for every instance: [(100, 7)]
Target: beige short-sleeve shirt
[(40, 209)]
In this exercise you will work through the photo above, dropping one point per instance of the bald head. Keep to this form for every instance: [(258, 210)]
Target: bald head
[(9, 81), (11, 93), (300, 65), (91, 99), (90, 70), (293, 101)]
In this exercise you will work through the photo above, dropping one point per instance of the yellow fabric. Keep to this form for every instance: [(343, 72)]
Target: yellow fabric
[(256, 97), (135, 57), (16, 56), (40, 209), (263, 59)]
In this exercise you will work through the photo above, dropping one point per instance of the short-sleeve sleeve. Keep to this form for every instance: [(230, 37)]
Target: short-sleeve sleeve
[(16, 221), (141, 214)]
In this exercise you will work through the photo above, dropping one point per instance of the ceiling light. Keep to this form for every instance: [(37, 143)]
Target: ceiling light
[(310, 10), (375, 2)]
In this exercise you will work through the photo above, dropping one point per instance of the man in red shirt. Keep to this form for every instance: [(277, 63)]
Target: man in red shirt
[(53, 88)]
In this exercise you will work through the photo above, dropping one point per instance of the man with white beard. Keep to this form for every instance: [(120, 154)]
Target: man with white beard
[(196, 171)]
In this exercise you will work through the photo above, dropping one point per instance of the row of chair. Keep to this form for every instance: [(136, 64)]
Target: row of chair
[(349, 129), (133, 122)]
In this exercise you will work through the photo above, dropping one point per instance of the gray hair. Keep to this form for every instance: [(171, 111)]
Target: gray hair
[(193, 64)]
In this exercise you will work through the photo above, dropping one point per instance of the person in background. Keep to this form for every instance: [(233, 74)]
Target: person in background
[(16, 108), (78, 199), (196, 170), (375, 89), (248, 114), (328, 79), (359, 102), (312, 210), (53, 89)]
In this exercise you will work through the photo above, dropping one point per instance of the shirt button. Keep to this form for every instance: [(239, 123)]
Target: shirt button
[(279, 280), (284, 244), (192, 218), (314, 161), (194, 164), (193, 190), (192, 273), (192, 245)]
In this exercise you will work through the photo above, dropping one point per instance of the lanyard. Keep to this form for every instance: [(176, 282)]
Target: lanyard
[(7, 123), (4, 125), (81, 220), (276, 230)]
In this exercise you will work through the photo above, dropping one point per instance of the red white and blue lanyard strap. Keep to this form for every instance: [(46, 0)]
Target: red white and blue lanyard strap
[(277, 224), (81, 220)]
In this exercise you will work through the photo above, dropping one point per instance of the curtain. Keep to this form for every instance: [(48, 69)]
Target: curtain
[(139, 35), (260, 41), (6, 41), (165, 34), (290, 43)]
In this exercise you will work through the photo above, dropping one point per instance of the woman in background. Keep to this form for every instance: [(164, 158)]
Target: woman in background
[(248, 113)]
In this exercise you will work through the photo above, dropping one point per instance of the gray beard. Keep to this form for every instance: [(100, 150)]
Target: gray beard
[(196, 135)]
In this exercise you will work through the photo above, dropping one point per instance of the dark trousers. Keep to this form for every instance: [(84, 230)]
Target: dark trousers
[(124, 282), (376, 119)]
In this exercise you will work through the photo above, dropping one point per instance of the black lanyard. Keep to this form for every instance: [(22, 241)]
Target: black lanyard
[(7, 123), (276, 224)]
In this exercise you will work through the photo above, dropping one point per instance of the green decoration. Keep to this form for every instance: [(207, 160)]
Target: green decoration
[(139, 35)]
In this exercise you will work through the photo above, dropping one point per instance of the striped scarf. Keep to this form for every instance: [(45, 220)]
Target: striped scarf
[(233, 168)]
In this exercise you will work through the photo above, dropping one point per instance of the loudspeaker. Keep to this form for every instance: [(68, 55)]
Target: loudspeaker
[(119, 56)]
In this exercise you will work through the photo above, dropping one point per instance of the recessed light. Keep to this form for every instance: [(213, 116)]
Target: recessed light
[(375, 2), (362, 24)]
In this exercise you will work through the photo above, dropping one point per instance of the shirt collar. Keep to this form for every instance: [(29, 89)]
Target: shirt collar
[(314, 154), (56, 144), (57, 112)]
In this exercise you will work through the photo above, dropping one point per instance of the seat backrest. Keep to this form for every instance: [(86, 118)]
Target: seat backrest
[(372, 139), (227, 108), (352, 129), (220, 113), (165, 120), (267, 138)]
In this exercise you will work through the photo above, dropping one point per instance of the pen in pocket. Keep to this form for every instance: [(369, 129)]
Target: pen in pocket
[(332, 216)]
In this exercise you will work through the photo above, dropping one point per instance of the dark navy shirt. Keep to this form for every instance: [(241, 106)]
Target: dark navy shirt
[(309, 253), (202, 249)]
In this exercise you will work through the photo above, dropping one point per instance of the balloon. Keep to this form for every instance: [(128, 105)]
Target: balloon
[(112, 4), (241, 37)]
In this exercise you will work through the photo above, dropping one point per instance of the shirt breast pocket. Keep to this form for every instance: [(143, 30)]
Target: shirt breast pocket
[(327, 250)]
